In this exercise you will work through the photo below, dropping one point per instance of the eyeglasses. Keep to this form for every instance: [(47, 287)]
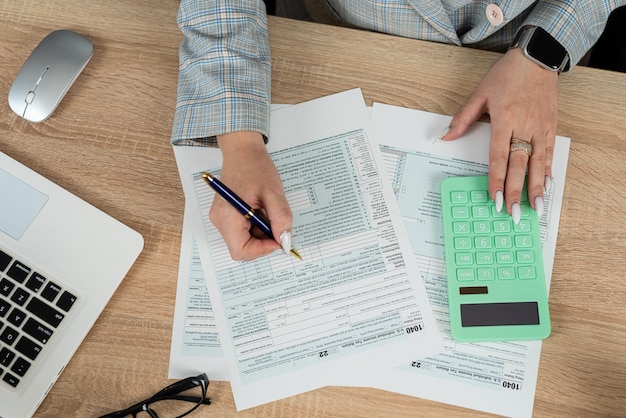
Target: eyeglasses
[(171, 400)]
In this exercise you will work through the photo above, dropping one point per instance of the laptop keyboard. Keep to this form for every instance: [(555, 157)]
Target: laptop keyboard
[(32, 308)]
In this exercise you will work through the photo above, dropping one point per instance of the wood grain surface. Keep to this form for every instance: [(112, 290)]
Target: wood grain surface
[(108, 142)]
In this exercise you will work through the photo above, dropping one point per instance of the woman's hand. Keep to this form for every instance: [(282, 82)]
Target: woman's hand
[(521, 100), (249, 171)]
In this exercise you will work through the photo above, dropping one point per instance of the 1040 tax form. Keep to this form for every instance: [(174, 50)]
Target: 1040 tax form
[(494, 377), (289, 326)]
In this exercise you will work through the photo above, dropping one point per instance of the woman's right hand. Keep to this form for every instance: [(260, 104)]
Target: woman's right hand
[(249, 171)]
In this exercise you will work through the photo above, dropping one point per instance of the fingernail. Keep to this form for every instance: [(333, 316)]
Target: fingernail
[(516, 212), (285, 241), (547, 184), (499, 201), (441, 135), (539, 205)]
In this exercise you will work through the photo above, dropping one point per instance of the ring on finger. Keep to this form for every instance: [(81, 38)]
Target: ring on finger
[(521, 145)]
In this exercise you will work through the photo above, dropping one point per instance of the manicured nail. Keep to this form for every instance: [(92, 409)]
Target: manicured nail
[(516, 212), (547, 184), (539, 205), (441, 135), (499, 201), (285, 241)]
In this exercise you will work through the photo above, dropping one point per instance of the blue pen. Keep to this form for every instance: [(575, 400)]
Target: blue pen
[(243, 208)]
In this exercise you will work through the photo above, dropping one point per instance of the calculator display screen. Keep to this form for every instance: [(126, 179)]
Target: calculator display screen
[(491, 314)]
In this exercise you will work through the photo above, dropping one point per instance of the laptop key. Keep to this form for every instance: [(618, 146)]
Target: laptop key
[(16, 317), (45, 312), (11, 380), (35, 282), (4, 307), (20, 296), (20, 367), (5, 259), (66, 301), (37, 330), (9, 335), (18, 272), (6, 287), (6, 356), (28, 348), (50, 292)]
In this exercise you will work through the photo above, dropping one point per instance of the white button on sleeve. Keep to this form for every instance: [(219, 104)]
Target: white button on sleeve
[(494, 14)]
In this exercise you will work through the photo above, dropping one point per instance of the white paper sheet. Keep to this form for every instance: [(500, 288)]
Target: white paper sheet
[(195, 346), (450, 377), (286, 326), (494, 377)]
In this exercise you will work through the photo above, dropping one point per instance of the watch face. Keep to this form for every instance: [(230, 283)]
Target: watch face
[(545, 49)]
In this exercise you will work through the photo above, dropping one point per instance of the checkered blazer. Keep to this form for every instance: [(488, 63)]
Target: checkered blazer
[(224, 78)]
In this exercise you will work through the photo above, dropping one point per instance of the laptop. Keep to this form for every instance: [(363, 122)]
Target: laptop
[(61, 260)]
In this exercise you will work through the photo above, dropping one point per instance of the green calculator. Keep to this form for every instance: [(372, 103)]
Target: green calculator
[(496, 280)]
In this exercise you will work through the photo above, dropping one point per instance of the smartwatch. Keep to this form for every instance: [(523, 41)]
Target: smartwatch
[(540, 47)]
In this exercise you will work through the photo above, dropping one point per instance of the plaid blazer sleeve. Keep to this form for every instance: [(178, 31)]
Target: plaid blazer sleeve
[(576, 24), (224, 70)]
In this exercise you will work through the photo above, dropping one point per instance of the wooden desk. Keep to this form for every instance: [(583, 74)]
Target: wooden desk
[(108, 143)]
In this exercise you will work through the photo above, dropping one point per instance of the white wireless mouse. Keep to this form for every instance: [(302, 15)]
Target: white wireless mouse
[(48, 73)]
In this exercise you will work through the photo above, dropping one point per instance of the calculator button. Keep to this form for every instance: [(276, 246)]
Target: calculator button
[(522, 226), (486, 274), (479, 196), (482, 242), (504, 257), (461, 227), (527, 272), (484, 258), (462, 243), (525, 257), (460, 212), (482, 227), (465, 275), (504, 242), (496, 214), (459, 196), (525, 211), (480, 211), (464, 258), (503, 227), (506, 273), (523, 241)]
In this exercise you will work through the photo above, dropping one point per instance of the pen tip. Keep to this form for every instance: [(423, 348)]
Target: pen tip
[(295, 253)]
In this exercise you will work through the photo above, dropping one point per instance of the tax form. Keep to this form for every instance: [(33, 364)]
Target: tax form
[(494, 377), (289, 326), (195, 346)]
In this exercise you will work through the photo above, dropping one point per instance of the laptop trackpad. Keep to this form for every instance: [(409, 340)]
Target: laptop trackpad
[(19, 205)]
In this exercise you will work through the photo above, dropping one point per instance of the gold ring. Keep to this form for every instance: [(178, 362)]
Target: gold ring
[(521, 145)]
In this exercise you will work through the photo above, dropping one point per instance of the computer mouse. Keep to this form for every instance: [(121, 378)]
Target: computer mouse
[(48, 73)]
